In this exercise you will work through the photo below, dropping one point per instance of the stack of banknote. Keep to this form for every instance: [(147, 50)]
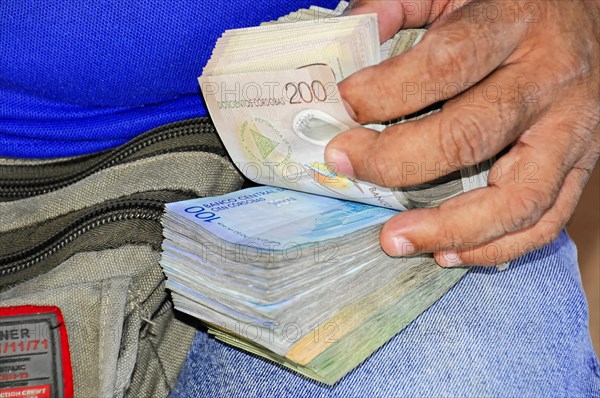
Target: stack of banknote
[(272, 94), (293, 270), (294, 277)]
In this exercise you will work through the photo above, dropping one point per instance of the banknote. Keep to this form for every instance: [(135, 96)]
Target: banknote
[(278, 124), (286, 217), (272, 94), (346, 44)]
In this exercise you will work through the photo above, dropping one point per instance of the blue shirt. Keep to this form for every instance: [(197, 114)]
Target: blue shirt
[(78, 77)]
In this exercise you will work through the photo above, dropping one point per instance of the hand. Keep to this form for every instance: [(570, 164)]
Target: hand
[(525, 73)]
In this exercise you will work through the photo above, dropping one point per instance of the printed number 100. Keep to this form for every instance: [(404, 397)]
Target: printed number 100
[(201, 214)]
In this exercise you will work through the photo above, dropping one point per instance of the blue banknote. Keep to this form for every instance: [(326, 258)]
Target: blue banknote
[(273, 218)]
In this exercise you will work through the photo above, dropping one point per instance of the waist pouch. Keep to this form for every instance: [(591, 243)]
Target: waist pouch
[(83, 234)]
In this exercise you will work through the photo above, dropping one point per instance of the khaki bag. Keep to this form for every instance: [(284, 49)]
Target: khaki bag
[(83, 234)]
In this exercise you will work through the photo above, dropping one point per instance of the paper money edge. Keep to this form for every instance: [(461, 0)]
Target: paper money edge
[(311, 370)]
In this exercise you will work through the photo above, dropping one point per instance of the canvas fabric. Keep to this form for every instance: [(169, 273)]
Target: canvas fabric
[(84, 234)]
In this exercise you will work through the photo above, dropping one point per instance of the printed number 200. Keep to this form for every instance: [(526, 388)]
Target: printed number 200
[(303, 92)]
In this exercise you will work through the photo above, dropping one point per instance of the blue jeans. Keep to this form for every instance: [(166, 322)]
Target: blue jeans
[(519, 332)]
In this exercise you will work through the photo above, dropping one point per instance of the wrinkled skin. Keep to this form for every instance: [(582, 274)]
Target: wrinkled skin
[(524, 74)]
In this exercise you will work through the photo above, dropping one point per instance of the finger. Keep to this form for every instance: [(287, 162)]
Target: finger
[(475, 126), (516, 244), (390, 15), (523, 184), (458, 51), (394, 15)]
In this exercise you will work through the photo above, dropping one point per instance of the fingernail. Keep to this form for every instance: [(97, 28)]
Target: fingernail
[(349, 109), (341, 163), (402, 246), (451, 259)]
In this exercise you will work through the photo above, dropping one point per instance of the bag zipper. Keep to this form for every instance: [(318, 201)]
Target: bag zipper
[(19, 188), (122, 210)]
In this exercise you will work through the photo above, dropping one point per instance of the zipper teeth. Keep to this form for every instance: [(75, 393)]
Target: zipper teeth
[(193, 128), (138, 211)]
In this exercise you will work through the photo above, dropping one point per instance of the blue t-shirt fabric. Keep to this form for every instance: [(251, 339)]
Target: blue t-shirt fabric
[(79, 77)]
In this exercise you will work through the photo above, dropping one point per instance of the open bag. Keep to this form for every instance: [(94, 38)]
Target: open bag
[(82, 235)]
